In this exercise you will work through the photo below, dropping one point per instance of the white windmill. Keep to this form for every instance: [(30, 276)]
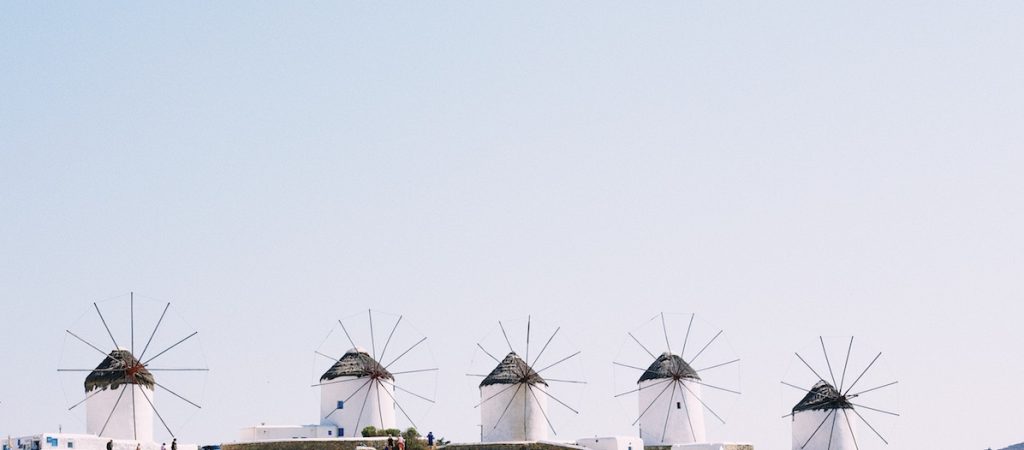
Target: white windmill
[(120, 392), (672, 395), (827, 418), (514, 396), (361, 387)]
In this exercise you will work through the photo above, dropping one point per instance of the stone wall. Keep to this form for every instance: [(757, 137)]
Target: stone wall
[(309, 444), (511, 446)]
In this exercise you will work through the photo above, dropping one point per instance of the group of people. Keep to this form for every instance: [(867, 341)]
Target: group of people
[(392, 444), (174, 445)]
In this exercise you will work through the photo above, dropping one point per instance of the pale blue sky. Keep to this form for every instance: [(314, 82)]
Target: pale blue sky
[(784, 169)]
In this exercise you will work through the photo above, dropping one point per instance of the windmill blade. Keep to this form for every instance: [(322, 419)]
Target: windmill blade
[(559, 361), (388, 341), (862, 373), (158, 416), (169, 348), (668, 346), (832, 432), (842, 379), (705, 347), (363, 407), (872, 389), (556, 380), (176, 395), (545, 347), (399, 405), (629, 366), (642, 345), (350, 341), (432, 369), (809, 366), (869, 426), (135, 421), (105, 324), (545, 414), (346, 380), (495, 395), (827, 363), (510, 400), (405, 390), (720, 419), (644, 412), (669, 412), (850, 427), (380, 408), (405, 352), (570, 408), (875, 409), (796, 387), (87, 343), (527, 341), (657, 383), (719, 365), (507, 341), (151, 335), (165, 369), (488, 353), (373, 343), (87, 397), (116, 402), (326, 356), (687, 338), (131, 314), (819, 427), (716, 387)]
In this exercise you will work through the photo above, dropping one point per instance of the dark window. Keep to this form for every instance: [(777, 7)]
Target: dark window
[(329, 432), (341, 431), (679, 405), (341, 404)]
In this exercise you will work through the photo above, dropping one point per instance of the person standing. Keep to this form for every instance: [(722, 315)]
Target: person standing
[(430, 439), (138, 446), (174, 444), (110, 444), (401, 442)]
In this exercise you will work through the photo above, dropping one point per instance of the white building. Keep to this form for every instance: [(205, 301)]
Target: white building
[(72, 441), (357, 392), (821, 420), (513, 403), (670, 412), (120, 398)]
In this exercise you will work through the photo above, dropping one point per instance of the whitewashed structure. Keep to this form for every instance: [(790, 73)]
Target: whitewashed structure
[(821, 420), (357, 392), (73, 441), (511, 409), (120, 398), (671, 412)]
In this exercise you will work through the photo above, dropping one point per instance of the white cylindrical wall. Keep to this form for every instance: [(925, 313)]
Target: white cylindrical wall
[(353, 416), (676, 404), (524, 418), (98, 409), (805, 422)]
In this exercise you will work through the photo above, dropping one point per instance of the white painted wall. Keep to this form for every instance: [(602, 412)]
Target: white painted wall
[(681, 408), (805, 422), (524, 420), (285, 432), (612, 443), (98, 408), (87, 442), (379, 410)]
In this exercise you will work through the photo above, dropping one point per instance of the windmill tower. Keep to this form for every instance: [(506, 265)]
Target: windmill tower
[(514, 397), (361, 387), (826, 417), (357, 372), (671, 394), (120, 398), (120, 392)]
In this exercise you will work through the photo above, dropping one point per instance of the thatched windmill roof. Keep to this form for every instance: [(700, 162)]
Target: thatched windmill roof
[(668, 365), (822, 396), (356, 363), (119, 367), (513, 370)]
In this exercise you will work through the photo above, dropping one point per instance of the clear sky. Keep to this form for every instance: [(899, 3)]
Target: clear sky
[(783, 169)]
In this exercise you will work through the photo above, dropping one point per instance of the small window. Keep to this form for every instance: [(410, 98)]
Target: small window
[(679, 405), (329, 432), (341, 404), (71, 444), (341, 432)]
